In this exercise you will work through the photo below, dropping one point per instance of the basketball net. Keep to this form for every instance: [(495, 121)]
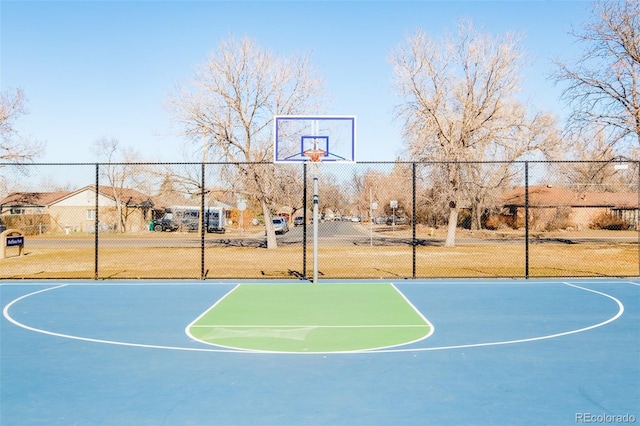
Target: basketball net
[(315, 154)]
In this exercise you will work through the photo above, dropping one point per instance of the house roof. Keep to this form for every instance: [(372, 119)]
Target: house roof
[(129, 197), (32, 199), (546, 196)]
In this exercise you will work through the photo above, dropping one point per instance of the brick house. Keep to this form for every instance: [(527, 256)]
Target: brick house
[(575, 209)]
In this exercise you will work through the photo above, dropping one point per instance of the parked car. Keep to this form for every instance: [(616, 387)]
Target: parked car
[(2, 227), (298, 221), (397, 220), (188, 219), (280, 225)]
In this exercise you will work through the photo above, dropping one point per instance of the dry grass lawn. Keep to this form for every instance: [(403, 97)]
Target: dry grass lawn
[(503, 260)]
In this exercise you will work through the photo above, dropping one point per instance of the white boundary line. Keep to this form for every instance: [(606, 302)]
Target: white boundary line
[(6, 314), (186, 329), (192, 337), (534, 339), (370, 351)]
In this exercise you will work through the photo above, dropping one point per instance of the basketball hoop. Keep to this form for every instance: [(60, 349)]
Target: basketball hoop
[(314, 139), (314, 154)]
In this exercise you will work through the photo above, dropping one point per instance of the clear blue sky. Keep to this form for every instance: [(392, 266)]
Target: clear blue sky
[(105, 68)]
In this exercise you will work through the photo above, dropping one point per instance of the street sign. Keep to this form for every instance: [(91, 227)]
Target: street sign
[(11, 238), (394, 204), (15, 241)]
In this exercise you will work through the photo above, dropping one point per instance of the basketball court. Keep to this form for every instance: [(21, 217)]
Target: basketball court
[(177, 353), (304, 352)]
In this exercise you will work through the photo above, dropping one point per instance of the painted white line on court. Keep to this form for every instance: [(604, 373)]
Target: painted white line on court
[(186, 330), (417, 311), (7, 315), (530, 339), (312, 326)]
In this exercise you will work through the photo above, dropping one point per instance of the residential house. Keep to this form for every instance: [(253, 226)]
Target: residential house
[(21, 203), (27, 211), (574, 209), (75, 211)]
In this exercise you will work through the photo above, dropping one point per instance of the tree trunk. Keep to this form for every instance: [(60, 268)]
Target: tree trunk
[(119, 218), (454, 202), (476, 216), (272, 243), (453, 224)]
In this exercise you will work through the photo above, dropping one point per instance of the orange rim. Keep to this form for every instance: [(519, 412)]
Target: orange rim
[(314, 154)]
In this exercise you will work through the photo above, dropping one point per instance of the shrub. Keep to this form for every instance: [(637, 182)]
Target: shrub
[(499, 221), (464, 219), (29, 224), (609, 221), (561, 219)]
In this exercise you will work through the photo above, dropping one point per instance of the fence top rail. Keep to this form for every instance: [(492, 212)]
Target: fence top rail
[(178, 163)]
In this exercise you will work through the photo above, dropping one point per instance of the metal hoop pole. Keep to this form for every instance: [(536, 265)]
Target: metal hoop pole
[(304, 215), (314, 167), (96, 225), (526, 220)]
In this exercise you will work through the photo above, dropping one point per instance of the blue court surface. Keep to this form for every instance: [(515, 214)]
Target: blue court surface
[(507, 352)]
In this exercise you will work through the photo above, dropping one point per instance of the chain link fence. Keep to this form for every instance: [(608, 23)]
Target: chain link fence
[(378, 220)]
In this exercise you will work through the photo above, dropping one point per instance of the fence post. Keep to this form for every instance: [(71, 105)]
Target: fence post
[(414, 243), (203, 272), (96, 225), (304, 225), (526, 220)]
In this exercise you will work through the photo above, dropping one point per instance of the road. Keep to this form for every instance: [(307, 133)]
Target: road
[(330, 233)]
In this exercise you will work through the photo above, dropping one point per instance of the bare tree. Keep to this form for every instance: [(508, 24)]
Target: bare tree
[(335, 196), (13, 146), (603, 85), (595, 169), (291, 182), (383, 187), (459, 107), (120, 176), (231, 103), (182, 183)]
